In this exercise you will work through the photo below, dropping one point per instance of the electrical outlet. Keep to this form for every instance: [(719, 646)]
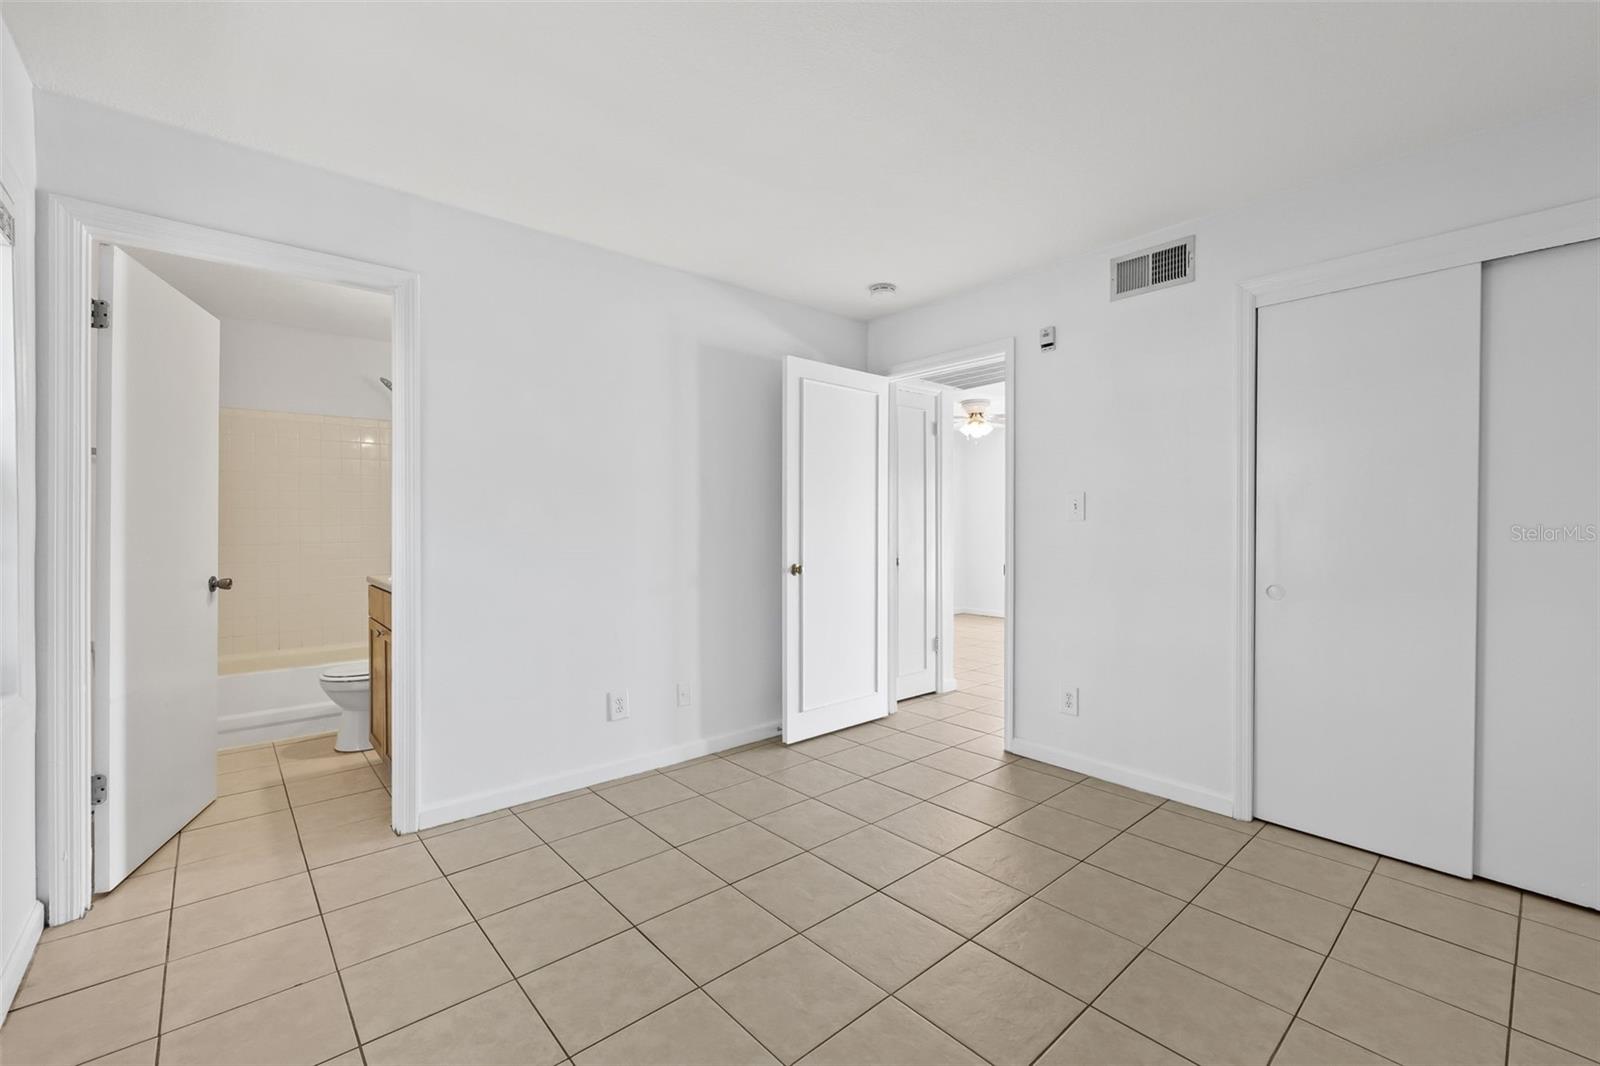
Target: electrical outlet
[(683, 694), (1075, 507), (1069, 702), (616, 706)]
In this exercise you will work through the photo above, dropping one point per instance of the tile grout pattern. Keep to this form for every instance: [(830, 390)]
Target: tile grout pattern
[(902, 891)]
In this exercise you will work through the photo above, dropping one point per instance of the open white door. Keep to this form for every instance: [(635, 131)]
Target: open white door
[(836, 548), (155, 720), (916, 525)]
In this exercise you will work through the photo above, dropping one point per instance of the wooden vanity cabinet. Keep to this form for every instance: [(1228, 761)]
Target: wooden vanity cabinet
[(379, 661)]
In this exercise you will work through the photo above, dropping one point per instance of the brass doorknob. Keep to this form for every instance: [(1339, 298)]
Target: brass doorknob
[(223, 583), (795, 568)]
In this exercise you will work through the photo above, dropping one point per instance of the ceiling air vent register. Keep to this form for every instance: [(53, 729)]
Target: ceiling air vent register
[(1160, 267)]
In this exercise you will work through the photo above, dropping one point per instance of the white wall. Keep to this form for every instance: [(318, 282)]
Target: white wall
[(20, 913), (980, 535), (599, 462), (271, 367), (1138, 406)]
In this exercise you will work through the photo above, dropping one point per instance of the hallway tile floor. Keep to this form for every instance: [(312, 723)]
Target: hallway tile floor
[(902, 892)]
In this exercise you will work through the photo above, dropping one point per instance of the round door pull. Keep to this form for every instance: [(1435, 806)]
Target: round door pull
[(223, 583), (795, 569), (1274, 592)]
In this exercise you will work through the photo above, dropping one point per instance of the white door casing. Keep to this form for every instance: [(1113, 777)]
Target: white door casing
[(836, 548), (1366, 565), (155, 709), (915, 422)]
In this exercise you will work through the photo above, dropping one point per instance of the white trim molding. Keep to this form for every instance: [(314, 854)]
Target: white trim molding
[(1532, 232), (19, 953), (73, 230)]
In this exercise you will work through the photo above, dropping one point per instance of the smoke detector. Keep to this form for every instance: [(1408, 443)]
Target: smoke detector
[(882, 290)]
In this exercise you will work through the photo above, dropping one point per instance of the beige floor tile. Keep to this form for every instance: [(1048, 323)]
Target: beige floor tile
[(793, 997), (826, 744), (863, 761), (403, 986), (1127, 908), (1011, 860), (1428, 965), (1097, 805), (1077, 957), (323, 847), (357, 777), (305, 1024), (1557, 1013), (1306, 1045), (690, 819), (342, 810), (963, 763), (808, 824), (502, 883), (316, 758), (1484, 893), (813, 778), (1114, 788), (231, 808), (918, 779), (1177, 873), (1318, 846), (499, 1026), (875, 855), (891, 1034), (246, 970), (767, 759), (1397, 1023), (997, 1009), (1225, 821), (246, 757), (644, 794), (229, 873), (955, 896), (1240, 956), (256, 833), (586, 997), (1213, 842), (1557, 953), (222, 920), (933, 827), (756, 797), (908, 745), (990, 719), (598, 850), (711, 775), (570, 817), (1301, 918), (655, 885), (76, 962), (367, 930), (804, 890), (711, 935), (165, 858), (1066, 833), (538, 932), (136, 897), (553, 798), (691, 1030), (84, 1024), (884, 940), (1330, 879), (1097, 1040), (1202, 1019), (248, 779), (907, 719), (480, 844), (461, 823), (140, 1054), (740, 851), (354, 880), (1578, 920), (947, 732), (992, 747), (868, 800), (1482, 929), (1525, 1050)]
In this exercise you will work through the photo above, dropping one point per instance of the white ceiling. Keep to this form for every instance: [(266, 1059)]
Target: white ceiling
[(806, 150), (241, 292)]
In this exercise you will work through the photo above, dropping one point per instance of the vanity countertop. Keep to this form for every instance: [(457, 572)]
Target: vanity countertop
[(380, 581)]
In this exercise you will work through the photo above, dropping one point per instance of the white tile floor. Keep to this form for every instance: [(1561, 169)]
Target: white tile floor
[(902, 892)]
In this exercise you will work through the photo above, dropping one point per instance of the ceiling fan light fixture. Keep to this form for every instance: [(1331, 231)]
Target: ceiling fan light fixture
[(975, 423)]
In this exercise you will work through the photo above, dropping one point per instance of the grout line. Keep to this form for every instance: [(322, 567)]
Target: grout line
[(166, 953), (1516, 959)]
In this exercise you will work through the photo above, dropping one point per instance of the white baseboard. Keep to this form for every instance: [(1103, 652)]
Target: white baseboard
[(19, 954), (1193, 795), (980, 612), (483, 802), (277, 723)]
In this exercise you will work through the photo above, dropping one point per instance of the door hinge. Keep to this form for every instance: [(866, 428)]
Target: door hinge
[(97, 789), (99, 314), (935, 643), (933, 429)]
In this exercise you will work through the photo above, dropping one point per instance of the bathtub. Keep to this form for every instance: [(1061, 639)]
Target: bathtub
[(275, 695)]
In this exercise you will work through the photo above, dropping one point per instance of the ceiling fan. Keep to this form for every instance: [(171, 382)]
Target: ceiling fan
[(973, 419)]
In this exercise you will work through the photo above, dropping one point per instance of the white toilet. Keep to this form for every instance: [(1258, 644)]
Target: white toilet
[(350, 688)]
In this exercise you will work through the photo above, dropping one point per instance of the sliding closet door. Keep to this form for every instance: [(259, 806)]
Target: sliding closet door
[(1366, 565), (1539, 785)]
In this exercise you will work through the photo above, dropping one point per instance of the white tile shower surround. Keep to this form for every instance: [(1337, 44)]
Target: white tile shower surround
[(304, 518), (902, 891)]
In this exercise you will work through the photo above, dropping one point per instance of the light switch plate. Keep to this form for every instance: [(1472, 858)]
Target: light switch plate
[(1075, 507)]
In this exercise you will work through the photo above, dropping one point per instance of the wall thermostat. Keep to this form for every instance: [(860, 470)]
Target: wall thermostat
[(1047, 339)]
